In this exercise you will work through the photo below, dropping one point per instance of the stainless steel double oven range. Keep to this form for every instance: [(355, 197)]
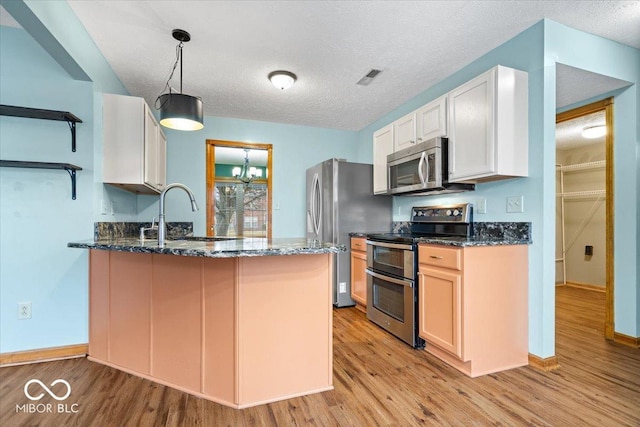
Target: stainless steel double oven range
[(392, 267)]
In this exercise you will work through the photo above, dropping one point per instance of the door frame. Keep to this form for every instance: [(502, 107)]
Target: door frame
[(211, 144), (605, 105)]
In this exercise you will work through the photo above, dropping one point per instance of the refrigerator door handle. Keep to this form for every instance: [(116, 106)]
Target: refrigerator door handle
[(316, 204)]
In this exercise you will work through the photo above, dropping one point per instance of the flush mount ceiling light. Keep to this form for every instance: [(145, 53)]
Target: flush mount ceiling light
[(178, 110), (592, 132), (282, 79)]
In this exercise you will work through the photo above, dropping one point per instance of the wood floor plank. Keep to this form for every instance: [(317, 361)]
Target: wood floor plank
[(379, 381)]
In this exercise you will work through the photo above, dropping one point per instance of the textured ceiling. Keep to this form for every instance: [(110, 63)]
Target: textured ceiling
[(569, 133), (330, 45), (574, 85)]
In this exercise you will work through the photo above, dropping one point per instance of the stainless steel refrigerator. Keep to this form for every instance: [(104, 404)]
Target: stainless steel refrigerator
[(340, 200)]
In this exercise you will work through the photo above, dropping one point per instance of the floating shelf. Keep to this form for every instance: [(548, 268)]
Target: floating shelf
[(71, 169), (37, 113)]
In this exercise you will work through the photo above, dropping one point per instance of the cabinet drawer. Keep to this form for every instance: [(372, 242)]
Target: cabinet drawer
[(440, 256), (359, 243)]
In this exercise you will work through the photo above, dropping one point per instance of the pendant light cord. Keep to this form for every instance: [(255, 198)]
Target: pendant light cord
[(167, 86)]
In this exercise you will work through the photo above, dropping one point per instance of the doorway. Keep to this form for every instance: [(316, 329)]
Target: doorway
[(584, 208), (239, 177)]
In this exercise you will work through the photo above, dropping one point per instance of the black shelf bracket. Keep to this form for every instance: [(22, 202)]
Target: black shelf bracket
[(38, 113), (72, 127), (71, 169), (72, 174)]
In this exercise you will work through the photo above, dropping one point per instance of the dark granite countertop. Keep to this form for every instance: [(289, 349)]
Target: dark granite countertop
[(474, 241), (213, 247), (484, 234)]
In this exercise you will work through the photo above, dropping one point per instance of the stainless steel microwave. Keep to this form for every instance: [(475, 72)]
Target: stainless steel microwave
[(423, 168)]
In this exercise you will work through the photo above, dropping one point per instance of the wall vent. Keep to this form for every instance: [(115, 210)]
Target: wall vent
[(368, 78)]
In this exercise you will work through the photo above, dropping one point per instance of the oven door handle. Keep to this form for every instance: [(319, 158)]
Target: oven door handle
[(407, 283), (390, 245)]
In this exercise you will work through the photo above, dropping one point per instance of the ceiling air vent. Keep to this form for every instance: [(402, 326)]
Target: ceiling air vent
[(368, 78)]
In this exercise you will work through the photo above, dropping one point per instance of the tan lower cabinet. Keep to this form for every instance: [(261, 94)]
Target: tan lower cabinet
[(358, 274), (215, 327), (473, 306), (441, 320)]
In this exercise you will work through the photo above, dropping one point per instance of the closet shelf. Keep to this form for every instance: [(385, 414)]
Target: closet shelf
[(71, 169), (582, 166), (578, 194), (38, 113)]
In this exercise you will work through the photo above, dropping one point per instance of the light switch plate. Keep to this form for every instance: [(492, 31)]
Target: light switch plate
[(515, 204), (481, 206)]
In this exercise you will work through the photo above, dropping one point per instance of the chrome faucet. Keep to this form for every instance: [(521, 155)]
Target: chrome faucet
[(162, 228)]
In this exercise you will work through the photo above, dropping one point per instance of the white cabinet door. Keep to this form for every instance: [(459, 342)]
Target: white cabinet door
[(162, 160), (404, 132), (471, 129), (150, 149), (382, 147), (488, 127), (134, 147), (431, 120)]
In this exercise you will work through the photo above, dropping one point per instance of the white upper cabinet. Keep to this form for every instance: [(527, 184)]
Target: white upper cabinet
[(404, 132), (134, 146), (488, 127), (431, 120), (382, 147)]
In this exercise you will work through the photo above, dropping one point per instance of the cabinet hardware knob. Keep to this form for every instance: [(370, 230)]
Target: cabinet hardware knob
[(435, 257)]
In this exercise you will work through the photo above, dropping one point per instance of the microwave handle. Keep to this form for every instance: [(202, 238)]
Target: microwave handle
[(421, 167)]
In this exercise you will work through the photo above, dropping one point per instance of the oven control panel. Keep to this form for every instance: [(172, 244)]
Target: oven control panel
[(444, 213)]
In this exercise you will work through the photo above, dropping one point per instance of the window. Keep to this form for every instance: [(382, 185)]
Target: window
[(241, 210)]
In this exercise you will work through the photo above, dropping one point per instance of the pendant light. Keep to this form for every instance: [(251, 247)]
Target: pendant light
[(178, 110)]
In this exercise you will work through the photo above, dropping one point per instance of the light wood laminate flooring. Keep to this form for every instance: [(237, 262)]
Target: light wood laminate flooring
[(378, 381)]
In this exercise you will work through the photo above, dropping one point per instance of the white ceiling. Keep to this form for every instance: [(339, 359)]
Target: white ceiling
[(330, 45), (574, 85), (569, 133)]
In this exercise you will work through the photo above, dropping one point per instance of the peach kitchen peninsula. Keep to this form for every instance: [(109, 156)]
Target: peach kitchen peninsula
[(239, 322)]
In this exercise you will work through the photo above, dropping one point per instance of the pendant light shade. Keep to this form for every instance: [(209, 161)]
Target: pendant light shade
[(181, 112), (178, 110)]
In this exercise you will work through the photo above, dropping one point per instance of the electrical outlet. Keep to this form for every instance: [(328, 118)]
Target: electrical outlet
[(24, 310), (515, 204), (343, 288), (103, 207), (276, 206), (481, 206)]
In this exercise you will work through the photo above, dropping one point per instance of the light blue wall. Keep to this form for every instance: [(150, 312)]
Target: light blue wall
[(59, 293), (536, 51), (595, 54), (55, 27), (523, 52), (37, 215), (295, 148)]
